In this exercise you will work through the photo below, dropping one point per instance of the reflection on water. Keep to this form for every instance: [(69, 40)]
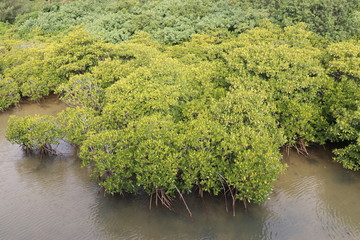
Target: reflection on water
[(53, 198), (315, 198)]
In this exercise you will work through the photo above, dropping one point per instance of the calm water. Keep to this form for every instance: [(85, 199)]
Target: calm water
[(53, 198)]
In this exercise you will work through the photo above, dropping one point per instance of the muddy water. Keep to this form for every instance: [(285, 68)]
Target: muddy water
[(53, 198)]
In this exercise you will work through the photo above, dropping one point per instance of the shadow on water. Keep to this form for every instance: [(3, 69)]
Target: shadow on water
[(130, 218)]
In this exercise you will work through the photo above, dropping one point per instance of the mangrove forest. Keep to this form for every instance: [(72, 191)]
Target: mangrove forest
[(171, 97)]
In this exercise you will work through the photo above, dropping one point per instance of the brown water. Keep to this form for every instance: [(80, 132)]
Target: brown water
[(53, 198)]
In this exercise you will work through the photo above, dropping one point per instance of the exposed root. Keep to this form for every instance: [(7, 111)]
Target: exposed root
[(245, 202), (182, 198), (47, 150), (299, 147), (230, 189), (26, 149), (233, 202), (226, 205), (43, 150), (201, 192), (164, 199), (151, 196), (156, 197), (287, 149)]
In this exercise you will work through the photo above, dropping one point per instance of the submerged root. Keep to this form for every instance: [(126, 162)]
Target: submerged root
[(226, 204), (43, 150), (245, 202), (300, 148), (151, 196), (47, 150), (232, 192), (183, 199), (201, 192), (166, 200), (26, 149), (287, 149)]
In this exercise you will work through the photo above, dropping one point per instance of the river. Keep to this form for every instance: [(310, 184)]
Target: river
[(54, 198)]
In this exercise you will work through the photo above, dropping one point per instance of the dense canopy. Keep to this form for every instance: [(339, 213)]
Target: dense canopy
[(170, 97)]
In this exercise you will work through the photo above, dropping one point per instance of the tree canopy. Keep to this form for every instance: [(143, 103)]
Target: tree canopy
[(174, 21), (171, 97)]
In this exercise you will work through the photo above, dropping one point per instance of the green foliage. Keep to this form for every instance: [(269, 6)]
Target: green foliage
[(343, 101), (287, 64), (38, 67), (33, 132), (82, 90), (233, 143), (207, 114), (173, 124), (345, 60), (25, 65), (174, 21), (335, 20), (76, 53), (9, 93), (223, 145), (141, 156), (168, 21), (145, 91), (349, 156), (4, 27), (77, 123), (10, 9)]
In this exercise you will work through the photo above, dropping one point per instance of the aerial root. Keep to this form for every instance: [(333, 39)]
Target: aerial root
[(201, 192), (183, 199), (43, 150), (47, 150), (222, 183), (151, 196), (287, 148), (26, 149), (230, 189), (164, 199), (301, 148), (244, 201)]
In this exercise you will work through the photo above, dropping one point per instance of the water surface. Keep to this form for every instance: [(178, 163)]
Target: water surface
[(53, 198)]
